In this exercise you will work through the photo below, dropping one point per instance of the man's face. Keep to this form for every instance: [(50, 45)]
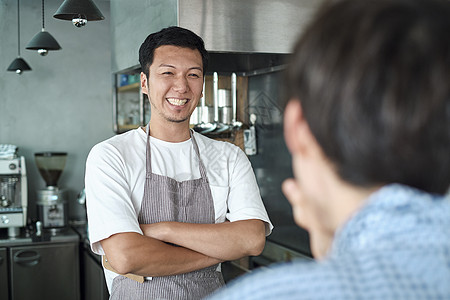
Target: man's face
[(174, 85), (305, 190)]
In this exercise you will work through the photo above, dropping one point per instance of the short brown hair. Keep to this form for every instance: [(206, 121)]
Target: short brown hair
[(373, 78)]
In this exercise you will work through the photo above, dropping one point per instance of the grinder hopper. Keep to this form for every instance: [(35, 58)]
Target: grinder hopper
[(51, 165)]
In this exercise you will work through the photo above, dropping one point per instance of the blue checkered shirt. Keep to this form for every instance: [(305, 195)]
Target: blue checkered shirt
[(396, 247)]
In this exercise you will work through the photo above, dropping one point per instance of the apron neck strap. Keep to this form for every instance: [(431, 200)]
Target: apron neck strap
[(148, 154), (197, 151)]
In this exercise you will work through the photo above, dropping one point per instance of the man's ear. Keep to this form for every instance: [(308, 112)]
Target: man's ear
[(144, 83), (297, 133)]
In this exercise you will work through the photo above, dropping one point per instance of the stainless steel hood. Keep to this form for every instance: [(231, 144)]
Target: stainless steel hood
[(246, 35), (241, 35), (256, 26)]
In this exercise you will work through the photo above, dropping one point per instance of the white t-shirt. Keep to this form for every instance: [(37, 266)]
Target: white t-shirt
[(115, 177)]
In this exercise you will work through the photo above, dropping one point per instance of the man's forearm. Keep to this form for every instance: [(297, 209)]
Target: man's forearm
[(224, 241), (137, 254)]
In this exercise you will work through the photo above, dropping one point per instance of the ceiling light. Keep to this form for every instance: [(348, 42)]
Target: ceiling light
[(43, 41), (79, 12), (19, 64)]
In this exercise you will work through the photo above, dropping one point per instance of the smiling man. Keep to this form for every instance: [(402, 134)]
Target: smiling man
[(167, 205)]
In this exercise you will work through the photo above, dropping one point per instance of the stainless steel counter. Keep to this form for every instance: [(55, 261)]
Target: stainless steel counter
[(33, 265), (25, 238)]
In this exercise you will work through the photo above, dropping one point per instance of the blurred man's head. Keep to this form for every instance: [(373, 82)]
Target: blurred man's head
[(370, 105)]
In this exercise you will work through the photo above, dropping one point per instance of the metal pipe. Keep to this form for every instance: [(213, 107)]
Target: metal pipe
[(234, 97), (215, 96)]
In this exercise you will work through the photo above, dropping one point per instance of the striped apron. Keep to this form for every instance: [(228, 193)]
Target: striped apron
[(166, 199)]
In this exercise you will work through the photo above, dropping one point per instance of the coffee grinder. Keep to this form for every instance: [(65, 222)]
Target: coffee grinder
[(51, 201)]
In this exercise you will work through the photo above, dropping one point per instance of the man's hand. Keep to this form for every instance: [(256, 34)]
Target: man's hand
[(134, 253), (223, 241)]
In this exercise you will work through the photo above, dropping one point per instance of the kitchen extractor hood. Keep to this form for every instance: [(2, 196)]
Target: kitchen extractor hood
[(241, 35), (256, 26)]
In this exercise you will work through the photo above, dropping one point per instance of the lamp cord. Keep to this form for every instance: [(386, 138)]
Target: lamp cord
[(18, 27), (43, 14)]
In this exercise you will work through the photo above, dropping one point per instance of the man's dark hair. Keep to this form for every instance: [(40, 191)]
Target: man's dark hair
[(373, 79), (175, 36)]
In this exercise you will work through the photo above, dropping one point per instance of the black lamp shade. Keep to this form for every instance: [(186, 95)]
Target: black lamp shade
[(70, 9), (43, 40), (19, 65)]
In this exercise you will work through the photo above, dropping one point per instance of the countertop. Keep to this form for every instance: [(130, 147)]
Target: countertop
[(25, 238)]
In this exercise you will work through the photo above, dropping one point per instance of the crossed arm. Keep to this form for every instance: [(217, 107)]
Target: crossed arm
[(198, 246)]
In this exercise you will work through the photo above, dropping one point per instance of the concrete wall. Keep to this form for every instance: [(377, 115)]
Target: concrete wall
[(132, 22), (65, 102)]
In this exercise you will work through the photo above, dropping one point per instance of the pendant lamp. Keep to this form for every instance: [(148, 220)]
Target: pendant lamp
[(19, 64), (79, 12), (43, 41)]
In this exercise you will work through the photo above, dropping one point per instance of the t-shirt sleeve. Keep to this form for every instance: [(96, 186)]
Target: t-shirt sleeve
[(244, 199), (108, 196)]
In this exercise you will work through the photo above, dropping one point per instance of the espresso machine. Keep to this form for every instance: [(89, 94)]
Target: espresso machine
[(13, 195), (51, 201)]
